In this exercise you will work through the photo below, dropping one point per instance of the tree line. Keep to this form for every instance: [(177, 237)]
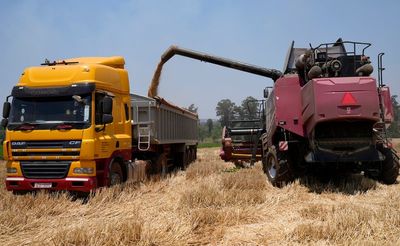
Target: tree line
[(226, 110)]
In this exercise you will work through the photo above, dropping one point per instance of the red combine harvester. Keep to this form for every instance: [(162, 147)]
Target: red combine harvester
[(325, 112)]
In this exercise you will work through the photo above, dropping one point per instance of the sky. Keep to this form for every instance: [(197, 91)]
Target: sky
[(255, 32)]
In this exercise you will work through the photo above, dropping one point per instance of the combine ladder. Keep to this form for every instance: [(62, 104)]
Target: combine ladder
[(380, 127)]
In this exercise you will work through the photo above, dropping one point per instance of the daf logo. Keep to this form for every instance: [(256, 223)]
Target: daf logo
[(74, 142), (18, 143)]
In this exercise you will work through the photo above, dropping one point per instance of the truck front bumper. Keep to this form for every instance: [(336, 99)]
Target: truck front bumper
[(80, 184)]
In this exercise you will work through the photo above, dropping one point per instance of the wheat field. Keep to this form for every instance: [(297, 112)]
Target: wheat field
[(212, 203)]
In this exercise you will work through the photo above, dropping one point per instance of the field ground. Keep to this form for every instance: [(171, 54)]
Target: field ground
[(211, 203)]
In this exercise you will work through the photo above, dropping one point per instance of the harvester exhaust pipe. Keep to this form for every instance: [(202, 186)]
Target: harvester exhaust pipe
[(175, 50)]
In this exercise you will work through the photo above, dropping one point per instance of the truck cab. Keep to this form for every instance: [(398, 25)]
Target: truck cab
[(68, 125)]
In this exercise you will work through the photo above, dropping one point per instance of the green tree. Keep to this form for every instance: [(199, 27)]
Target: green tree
[(203, 134), (216, 133), (192, 108), (238, 112), (249, 108), (225, 111), (210, 124)]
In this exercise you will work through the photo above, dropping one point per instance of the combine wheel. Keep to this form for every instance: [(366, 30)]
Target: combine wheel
[(276, 169), (115, 174), (390, 167)]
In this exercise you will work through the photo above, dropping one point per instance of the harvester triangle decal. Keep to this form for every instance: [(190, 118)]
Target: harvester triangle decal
[(348, 99)]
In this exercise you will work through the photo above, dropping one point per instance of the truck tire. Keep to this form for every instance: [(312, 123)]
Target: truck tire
[(390, 167), (277, 169), (115, 174)]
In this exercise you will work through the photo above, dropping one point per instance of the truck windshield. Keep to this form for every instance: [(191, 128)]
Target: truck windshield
[(52, 112)]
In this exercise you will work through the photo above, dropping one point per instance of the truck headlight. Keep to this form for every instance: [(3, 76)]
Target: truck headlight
[(83, 170), (11, 170)]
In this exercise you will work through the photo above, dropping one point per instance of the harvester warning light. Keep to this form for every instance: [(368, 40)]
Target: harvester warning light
[(348, 99)]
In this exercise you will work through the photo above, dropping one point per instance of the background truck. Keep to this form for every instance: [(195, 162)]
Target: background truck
[(325, 114), (73, 125)]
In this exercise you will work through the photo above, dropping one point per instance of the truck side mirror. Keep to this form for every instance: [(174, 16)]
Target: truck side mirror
[(4, 122), (107, 105), (107, 118), (6, 109), (266, 92)]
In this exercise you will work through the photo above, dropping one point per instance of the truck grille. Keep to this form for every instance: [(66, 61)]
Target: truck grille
[(46, 144), (45, 169), (46, 150), (75, 153)]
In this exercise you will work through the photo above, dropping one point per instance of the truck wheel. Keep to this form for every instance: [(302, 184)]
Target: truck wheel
[(277, 170), (115, 174), (390, 167)]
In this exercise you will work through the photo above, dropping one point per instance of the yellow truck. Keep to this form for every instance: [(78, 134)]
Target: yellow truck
[(73, 125)]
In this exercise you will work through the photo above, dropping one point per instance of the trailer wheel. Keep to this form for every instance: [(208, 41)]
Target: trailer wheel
[(194, 154), (115, 174), (161, 165), (186, 158), (277, 169), (390, 167), (190, 156)]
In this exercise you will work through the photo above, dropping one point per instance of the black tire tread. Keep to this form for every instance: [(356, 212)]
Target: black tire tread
[(390, 167), (116, 168), (283, 172)]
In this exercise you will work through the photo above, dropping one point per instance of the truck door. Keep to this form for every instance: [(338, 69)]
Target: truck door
[(104, 132)]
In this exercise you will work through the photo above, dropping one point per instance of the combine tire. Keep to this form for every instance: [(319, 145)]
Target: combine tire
[(115, 174), (277, 169), (390, 167)]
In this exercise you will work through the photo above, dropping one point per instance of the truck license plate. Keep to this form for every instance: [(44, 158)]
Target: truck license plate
[(42, 185)]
